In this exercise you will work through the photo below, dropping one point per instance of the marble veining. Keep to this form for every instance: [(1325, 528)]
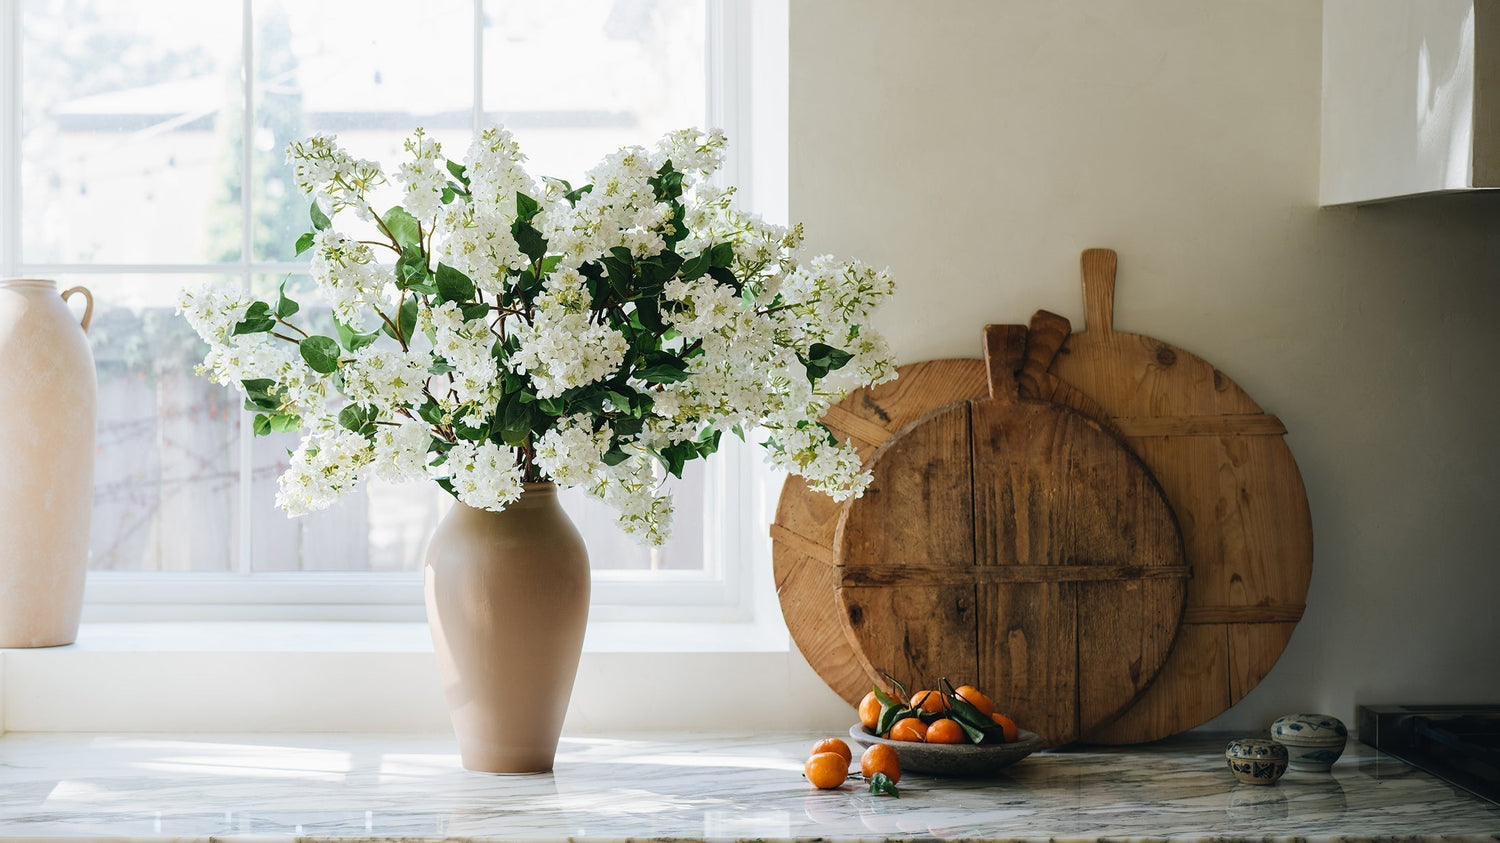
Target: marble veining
[(656, 787)]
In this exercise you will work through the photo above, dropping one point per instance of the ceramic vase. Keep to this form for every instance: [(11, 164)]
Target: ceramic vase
[(507, 603), (46, 462)]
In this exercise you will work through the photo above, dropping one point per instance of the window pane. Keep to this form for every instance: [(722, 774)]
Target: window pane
[(130, 131), (368, 71), (166, 471), (632, 70)]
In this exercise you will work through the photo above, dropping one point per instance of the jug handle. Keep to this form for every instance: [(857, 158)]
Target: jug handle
[(88, 304)]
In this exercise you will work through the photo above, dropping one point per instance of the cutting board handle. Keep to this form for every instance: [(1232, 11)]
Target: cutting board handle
[(1098, 269), (1004, 353)]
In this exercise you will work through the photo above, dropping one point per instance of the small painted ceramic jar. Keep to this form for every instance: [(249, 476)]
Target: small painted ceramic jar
[(1256, 760), (1313, 741)]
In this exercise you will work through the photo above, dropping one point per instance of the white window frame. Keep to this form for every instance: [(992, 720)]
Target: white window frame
[(736, 480)]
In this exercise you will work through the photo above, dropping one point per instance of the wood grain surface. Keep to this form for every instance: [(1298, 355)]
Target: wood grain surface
[(1229, 476), (1238, 497), (1091, 574), (802, 535)]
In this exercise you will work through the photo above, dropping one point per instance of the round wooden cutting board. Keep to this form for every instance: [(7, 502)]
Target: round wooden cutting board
[(1222, 462), (802, 535), (1017, 545), (1237, 494)]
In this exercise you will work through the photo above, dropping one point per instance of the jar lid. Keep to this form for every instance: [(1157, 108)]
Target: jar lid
[(1308, 729), (1257, 748)]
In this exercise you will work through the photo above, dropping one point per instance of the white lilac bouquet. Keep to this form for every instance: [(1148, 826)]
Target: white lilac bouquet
[(496, 329)]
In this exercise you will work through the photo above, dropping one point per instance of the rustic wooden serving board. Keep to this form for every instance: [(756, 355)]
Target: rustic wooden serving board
[(802, 535), (1236, 492), (1019, 544), (1238, 497)]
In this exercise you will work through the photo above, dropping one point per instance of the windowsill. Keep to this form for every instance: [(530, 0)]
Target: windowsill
[(360, 676), (410, 637)]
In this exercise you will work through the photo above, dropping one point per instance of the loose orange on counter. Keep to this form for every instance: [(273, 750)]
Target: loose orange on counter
[(826, 770), (909, 729), (946, 731), (837, 746), (880, 758)]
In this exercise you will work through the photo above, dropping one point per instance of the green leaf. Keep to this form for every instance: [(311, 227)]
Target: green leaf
[(458, 170), (321, 353), (708, 441), (449, 194), (406, 321), (822, 359), (453, 285), (614, 456), (440, 367), (648, 314), (306, 242), (408, 317), (353, 340), (285, 423), (676, 456), (516, 418), (320, 220), (552, 406), (431, 413), (890, 714), (285, 307), (574, 195), (358, 418), (261, 393), (721, 255), (526, 207), (475, 311), (695, 267), (662, 367), (411, 267), (403, 227), (532, 244), (258, 319), (261, 425), (976, 724), (881, 784)]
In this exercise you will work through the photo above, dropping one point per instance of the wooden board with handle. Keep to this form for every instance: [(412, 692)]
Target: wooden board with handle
[(1238, 497), (1016, 544), (1230, 478)]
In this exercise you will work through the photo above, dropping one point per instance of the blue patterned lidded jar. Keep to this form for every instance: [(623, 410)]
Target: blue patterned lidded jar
[(1256, 760), (1313, 741)]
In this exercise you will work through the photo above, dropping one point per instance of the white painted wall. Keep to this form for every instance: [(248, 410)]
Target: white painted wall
[(976, 147)]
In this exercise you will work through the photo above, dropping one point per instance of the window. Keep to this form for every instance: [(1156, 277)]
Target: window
[(144, 151)]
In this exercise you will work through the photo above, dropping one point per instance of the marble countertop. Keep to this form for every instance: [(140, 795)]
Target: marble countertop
[(656, 787)]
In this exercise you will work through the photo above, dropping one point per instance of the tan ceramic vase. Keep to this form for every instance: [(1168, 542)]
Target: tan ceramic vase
[(46, 462), (507, 603)]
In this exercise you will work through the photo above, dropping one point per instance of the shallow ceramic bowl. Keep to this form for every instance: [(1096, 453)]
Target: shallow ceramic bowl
[(952, 759), (1313, 741), (1256, 760)]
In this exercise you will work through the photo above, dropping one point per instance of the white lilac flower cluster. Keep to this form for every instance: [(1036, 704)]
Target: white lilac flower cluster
[(496, 329)]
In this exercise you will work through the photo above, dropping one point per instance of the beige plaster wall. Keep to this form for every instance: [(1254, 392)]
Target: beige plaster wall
[(976, 147)]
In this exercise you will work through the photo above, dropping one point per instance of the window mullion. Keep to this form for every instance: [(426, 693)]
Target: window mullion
[(478, 65), (10, 136), (247, 235)]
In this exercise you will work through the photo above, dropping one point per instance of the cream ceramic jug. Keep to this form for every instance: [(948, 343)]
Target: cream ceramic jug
[(48, 387)]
